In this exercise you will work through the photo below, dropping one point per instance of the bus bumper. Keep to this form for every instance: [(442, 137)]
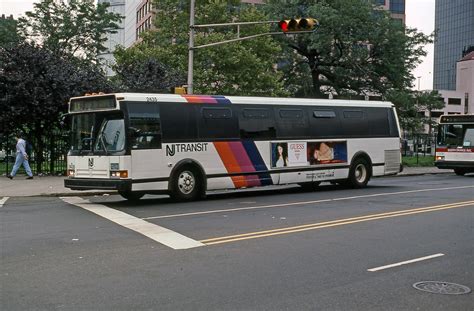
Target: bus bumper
[(454, 164), (98, 184)]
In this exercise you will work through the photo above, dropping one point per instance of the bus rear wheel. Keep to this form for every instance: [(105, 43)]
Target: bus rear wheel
[(359, 174), (459, 171), (131, 196), (186, 184)]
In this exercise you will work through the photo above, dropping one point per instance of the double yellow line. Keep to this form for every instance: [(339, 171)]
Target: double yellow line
[(333, 223)]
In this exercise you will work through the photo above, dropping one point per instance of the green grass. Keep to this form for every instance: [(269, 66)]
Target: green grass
[(422, 161)]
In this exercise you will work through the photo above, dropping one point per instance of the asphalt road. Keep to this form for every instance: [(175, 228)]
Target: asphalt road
[(267, 249)]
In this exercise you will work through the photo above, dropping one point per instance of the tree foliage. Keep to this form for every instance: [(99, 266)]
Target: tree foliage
[(244, 68), (144, 73), (358, 48), (36, 84), (73, 28), (411, 107), (8, 32)]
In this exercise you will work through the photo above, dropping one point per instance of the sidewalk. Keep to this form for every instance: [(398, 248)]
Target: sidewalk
[(54, 186), (39, 186)]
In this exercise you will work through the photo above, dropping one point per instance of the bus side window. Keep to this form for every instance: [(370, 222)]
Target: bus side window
[(324, 123), (217, 123), (179, 122), (292, 123), (256, 123), (379, 122), (468, 140), (355, 123), (144, 126)]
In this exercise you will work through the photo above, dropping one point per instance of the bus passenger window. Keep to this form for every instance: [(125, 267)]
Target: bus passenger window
[(256, 123), (145, 127)]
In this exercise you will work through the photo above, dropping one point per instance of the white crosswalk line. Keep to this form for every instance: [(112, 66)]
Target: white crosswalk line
[(3, 201), (157, 233)]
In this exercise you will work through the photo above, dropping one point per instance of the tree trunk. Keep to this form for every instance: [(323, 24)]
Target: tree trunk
[(316, 91)]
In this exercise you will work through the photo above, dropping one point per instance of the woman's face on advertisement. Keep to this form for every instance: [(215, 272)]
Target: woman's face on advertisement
[(280, 150), (324, 147)]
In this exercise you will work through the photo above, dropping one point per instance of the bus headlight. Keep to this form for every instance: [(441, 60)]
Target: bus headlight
[(119, 174), (439, 158), (70, 173)]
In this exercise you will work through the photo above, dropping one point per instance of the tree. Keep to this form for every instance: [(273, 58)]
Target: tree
[(429, 101), (73, 28), (243, 68), (35, 86), (411, 107), (144, 73), (8, 31), (358, 48)]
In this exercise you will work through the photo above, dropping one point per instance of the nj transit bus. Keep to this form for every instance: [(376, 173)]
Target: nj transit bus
[(455, 144), (184, 145)]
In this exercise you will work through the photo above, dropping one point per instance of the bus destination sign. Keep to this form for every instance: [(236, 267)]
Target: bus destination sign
[(457, 119), (92, 104)]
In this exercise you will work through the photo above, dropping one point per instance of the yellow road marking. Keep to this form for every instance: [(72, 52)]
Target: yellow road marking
[(333, 223)]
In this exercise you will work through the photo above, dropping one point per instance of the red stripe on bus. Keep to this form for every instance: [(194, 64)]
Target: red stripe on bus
[(244, 162), (200, 99)]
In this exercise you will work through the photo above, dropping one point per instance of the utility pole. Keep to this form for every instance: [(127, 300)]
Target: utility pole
[(191, 48)]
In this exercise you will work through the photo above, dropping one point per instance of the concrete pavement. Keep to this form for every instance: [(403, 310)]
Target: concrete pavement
[(54, 186)]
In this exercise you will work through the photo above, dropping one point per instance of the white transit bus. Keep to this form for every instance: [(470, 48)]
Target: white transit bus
[(184, 145), (455, 144)]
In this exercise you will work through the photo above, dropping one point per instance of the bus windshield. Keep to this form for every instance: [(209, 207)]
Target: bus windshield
[(97, 133), (456, 135)]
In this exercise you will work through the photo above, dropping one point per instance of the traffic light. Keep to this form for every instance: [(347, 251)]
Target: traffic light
[(300, 24)]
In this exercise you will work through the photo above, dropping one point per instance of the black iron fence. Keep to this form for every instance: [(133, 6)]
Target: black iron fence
[(418, 144), (51, 161)]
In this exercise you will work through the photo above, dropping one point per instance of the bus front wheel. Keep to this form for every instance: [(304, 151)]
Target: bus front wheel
[(359, 174), (131, 196), (459, 171), (186, 184)]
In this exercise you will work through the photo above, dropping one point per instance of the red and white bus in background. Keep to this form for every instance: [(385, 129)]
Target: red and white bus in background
[(455, 144), (184, 145)]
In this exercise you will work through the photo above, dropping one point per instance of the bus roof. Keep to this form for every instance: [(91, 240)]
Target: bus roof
[(217, 99)]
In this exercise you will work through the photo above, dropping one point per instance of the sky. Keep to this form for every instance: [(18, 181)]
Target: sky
[(419, 14)]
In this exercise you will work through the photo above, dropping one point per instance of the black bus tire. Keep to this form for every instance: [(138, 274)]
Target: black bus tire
[(186, 184), (359, 174), (131, 196), (459, 171)]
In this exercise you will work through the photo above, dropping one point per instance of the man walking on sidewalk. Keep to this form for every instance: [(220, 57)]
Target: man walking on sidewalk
[(21, 158)]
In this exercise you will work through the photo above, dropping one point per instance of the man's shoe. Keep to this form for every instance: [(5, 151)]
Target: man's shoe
[(29, 177), (10, 176)]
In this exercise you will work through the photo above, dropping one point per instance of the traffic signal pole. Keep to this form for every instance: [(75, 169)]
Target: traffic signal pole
[(193, 27)]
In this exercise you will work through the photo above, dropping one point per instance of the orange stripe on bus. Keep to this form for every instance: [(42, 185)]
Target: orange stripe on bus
[(230, 163)]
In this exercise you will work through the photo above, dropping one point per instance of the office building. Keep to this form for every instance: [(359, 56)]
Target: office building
[(113, 39), (395, 7), (454, 26)]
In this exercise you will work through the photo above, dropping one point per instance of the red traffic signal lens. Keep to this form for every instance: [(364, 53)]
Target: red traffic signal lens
[(283, 25)]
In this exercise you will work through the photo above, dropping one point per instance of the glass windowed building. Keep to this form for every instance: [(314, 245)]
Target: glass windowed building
[(454, 25), (395, 7)]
